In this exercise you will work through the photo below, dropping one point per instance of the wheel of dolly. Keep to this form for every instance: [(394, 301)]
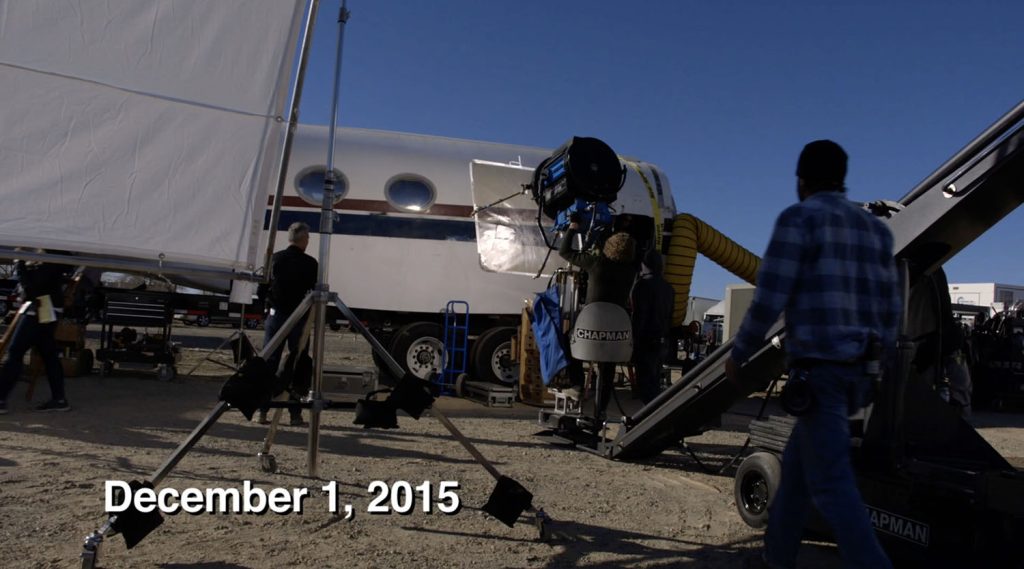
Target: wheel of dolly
[(85, 361), (491, 357), (166, 372), (267, 462), (757, 480), (417, 348)]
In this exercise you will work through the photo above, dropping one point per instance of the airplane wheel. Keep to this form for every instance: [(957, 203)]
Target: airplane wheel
[(491, 357), (418, 349), (757, 480)]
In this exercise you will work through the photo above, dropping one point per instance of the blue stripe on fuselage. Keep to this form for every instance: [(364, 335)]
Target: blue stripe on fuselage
[(382, 226)]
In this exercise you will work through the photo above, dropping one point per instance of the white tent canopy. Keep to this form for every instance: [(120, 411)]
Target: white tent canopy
[(146, 129)]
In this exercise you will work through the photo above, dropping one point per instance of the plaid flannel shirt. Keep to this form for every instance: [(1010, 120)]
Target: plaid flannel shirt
[(830, 266)]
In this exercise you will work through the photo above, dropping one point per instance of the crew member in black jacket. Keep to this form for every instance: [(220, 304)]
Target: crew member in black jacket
[(293, 274), (653, 300), (42, 285)]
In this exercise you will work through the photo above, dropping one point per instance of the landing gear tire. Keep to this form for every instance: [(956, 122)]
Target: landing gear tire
[(757, 480), (418, 349), (491, 357)]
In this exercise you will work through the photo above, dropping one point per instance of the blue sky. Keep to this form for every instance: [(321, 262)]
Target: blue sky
[(721, 95)]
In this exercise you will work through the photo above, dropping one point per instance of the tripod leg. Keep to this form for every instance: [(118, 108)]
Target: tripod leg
[(90, 550), (378, 348), (542, 520), (315, 391), (210, 353), (267, 461), (186, 445), (286, 328)]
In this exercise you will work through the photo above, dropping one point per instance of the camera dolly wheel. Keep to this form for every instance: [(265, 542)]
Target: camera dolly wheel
[(268, 463)]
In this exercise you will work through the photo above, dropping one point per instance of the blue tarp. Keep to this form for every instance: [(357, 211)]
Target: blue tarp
[(545, 324)]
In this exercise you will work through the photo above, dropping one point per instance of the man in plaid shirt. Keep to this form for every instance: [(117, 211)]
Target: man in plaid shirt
[(829, 265)]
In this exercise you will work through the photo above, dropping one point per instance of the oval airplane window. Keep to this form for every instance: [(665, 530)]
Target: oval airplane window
[(410, 193), (310, 185)]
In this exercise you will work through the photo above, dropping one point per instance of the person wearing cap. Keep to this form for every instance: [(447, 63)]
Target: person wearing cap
[(829, 266)]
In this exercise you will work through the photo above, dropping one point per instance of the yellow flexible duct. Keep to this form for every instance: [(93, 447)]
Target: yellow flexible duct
[(691, 236)]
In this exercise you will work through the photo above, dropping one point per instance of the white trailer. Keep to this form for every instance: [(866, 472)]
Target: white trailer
[(405, 236)]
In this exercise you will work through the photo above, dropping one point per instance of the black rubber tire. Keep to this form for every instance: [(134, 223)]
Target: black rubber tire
[(490, 357), (757, 480), (414, 343), (202, 320), (252, 323)]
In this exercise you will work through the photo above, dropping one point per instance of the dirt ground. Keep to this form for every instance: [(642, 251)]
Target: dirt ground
[(665, 513)]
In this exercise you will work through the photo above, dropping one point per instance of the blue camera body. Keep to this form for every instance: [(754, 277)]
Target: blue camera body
[(586, 212)]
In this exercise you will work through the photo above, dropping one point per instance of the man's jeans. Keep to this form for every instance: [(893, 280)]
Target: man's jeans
[(816, 470), (271, 326)]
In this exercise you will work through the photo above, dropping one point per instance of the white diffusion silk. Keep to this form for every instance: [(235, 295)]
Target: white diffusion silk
[(142, 128)]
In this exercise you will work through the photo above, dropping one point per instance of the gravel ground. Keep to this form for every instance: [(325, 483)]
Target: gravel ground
[(606, 514)]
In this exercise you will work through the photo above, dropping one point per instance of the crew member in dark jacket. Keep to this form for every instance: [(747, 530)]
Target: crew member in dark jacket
[(293, 274), (653, 300), (610, 275), (42, 286)]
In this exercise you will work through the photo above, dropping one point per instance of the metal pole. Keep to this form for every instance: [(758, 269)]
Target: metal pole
[(326, 232), (293, 122), (179, 453)]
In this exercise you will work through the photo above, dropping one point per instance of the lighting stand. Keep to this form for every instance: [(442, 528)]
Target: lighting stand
[(507, 501), (238, 352)]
